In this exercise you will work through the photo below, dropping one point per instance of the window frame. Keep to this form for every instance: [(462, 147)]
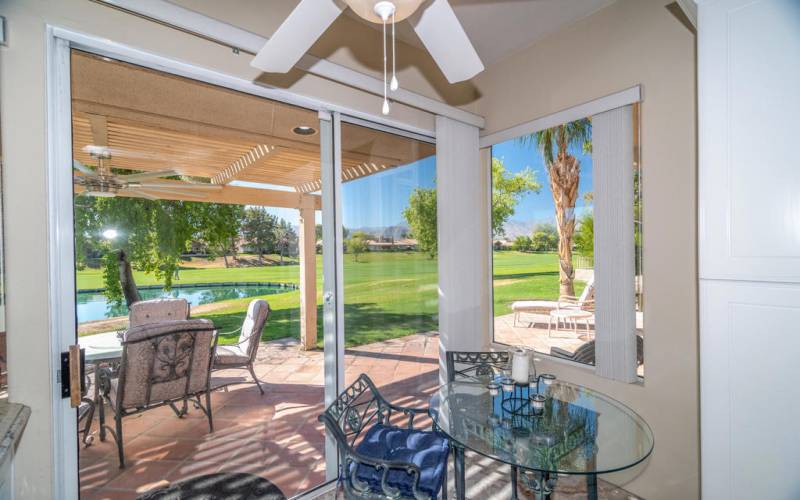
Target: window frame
[(630, 96)]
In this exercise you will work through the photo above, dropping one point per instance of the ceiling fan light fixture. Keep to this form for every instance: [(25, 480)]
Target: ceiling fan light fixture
[(366, 9)]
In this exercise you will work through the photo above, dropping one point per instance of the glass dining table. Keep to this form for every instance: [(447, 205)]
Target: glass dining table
[(572, 430)]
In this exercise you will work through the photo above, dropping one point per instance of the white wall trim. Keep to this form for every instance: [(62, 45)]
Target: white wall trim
[(600, 105), (212, 29), (61, 296)]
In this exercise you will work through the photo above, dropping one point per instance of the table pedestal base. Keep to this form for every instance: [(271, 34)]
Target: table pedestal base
[(541, 483)]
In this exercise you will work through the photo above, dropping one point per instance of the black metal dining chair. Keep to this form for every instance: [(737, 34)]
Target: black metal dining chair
[(480, 366), (379, 458), (476, 366)]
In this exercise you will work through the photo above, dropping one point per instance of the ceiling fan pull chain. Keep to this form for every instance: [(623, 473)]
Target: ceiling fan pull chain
[(385, 109), (395, 84)]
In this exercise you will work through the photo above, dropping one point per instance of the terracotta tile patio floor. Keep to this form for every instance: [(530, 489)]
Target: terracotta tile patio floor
[(275, 435)]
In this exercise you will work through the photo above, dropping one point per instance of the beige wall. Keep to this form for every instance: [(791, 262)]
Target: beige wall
[(634, 42), (22, 94)]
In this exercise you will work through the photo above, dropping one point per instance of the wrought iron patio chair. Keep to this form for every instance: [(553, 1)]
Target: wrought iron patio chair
[(378, 459), (243, 353), (474, 366), (162, 364)]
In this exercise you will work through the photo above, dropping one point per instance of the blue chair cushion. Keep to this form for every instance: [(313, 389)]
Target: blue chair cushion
[(427, 450)]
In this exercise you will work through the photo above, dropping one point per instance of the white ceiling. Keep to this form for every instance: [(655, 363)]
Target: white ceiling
[(499, 28)]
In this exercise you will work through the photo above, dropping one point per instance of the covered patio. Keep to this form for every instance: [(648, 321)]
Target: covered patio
[(224, 146)]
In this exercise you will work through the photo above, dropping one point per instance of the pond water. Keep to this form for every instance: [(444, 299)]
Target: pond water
[(93, 305)]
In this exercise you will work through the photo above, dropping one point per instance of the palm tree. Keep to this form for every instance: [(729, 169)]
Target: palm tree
[(564, 171)]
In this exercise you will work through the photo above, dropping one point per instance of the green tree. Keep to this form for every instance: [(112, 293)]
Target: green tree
[(285, 239), (584, 235), (258, 230), (149, 235), (357, 244), (522, 244), (507, 190), (221, 227), (420, 214), (564, 172), (544, 238)]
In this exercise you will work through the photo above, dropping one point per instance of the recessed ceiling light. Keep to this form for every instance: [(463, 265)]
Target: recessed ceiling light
[(304, 130)]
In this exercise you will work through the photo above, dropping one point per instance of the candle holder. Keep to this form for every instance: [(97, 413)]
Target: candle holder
[(516, 399), (546, 378), (537, 403)]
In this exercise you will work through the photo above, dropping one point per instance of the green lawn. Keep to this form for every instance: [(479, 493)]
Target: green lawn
[(520, 276), (387, 295)]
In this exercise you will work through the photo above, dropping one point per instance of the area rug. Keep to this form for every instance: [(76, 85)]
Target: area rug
[(222, 486)]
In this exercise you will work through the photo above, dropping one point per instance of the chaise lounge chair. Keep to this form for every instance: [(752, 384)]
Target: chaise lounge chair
[(543, 307), (585, 353)]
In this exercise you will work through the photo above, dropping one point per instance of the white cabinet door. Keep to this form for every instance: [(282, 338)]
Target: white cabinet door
[(748, 387), (748, 77)]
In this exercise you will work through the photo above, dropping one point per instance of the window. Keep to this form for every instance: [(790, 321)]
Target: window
[(556, 196)]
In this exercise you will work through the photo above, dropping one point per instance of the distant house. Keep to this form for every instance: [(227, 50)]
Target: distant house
[(392, 245), (502, 245)]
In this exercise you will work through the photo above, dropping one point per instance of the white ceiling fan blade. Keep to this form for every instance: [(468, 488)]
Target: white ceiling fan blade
[(147, 175), (444, 37), (178, 185), (296, 35), (80, 167)]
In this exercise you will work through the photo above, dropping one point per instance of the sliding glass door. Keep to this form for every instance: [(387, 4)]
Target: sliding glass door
[(388, 207), (195, 202), (191, 200)]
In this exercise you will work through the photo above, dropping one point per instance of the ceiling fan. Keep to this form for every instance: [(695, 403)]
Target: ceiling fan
[(436, 25), (102, 182)]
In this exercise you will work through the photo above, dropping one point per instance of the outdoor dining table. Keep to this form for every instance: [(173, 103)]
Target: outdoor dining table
[(578, 431), (99, 349)]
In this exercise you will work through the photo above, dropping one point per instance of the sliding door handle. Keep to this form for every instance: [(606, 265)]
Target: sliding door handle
[(72, 375)]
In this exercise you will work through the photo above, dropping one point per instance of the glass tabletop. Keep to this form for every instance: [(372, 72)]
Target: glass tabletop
[(578, 430)]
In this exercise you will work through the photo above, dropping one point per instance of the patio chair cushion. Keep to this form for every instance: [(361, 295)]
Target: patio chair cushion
[(147, 312), (534, 306), (230, 355), (427, 450)]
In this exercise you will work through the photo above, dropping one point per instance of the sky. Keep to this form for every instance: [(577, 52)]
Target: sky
[(538, 207), (378, 200)]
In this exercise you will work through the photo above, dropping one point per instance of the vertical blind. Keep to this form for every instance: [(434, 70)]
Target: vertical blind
[(615, 315)]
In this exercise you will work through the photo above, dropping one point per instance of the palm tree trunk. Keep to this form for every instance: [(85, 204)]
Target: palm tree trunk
[(564, 176), (126, 281)]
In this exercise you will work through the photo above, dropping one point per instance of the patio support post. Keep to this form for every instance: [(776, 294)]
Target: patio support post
[(308, 275)]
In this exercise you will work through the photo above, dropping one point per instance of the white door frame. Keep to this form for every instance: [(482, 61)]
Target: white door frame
[(61, 293)]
